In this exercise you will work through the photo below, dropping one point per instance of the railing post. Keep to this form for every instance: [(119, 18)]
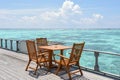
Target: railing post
[(96, 67), (6, 43), (17, 49), (11, 44), (1, 42)]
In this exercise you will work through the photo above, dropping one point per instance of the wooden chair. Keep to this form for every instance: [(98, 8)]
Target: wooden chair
[(33, 56), (43, 42), (73, 60)]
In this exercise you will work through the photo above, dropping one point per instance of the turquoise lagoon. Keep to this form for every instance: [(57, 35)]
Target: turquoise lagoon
[(102, 40)]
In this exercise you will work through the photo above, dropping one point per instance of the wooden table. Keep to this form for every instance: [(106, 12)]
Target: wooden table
[(52, 48)]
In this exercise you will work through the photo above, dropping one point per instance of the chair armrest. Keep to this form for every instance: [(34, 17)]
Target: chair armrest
[(41, 54), (61, 56)]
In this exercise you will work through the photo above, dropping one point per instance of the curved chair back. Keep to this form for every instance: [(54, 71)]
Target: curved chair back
[(76, 52), (41, 41)]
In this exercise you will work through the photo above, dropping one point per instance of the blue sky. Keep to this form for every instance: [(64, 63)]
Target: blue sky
[(59, 14)]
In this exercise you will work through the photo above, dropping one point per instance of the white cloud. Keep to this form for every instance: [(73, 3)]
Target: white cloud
[(28, 19), (69, 14), (69, 7), (67, 10), (97, 16), (90, 20)]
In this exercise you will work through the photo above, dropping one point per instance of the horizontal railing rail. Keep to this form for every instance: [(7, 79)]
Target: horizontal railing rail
[(96, 65), (102, 52), (18, 45)]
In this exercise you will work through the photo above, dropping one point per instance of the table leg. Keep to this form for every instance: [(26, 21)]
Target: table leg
[(61, 53), (50, 59)]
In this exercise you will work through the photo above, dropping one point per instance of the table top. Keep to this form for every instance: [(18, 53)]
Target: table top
[(55, 47)]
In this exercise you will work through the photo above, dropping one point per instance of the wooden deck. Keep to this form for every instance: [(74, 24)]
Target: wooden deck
[(12, 67)]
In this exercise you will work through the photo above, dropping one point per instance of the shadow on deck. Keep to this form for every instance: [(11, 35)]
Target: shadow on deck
[(12, 67)]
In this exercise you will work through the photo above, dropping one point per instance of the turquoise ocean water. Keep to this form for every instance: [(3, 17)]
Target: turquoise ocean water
[(103, 40)]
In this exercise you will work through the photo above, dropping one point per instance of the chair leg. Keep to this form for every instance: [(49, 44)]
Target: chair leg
[(27, 65), (47, 66), (67, 69), (36, 69), (53, 56), (45, 61), (58, 69), (80, 70)]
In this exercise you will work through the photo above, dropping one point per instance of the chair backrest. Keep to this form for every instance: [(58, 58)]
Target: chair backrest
[(76, 52), (41, 41), (31, 50)]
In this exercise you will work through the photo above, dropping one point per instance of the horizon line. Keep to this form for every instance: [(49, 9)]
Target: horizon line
[(57, 28)]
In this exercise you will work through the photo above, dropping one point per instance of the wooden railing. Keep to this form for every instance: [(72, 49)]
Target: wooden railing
[(18, 45), (96, 68), (9, 44)]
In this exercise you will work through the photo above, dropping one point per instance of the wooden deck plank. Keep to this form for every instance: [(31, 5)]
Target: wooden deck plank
[(11, 70)]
